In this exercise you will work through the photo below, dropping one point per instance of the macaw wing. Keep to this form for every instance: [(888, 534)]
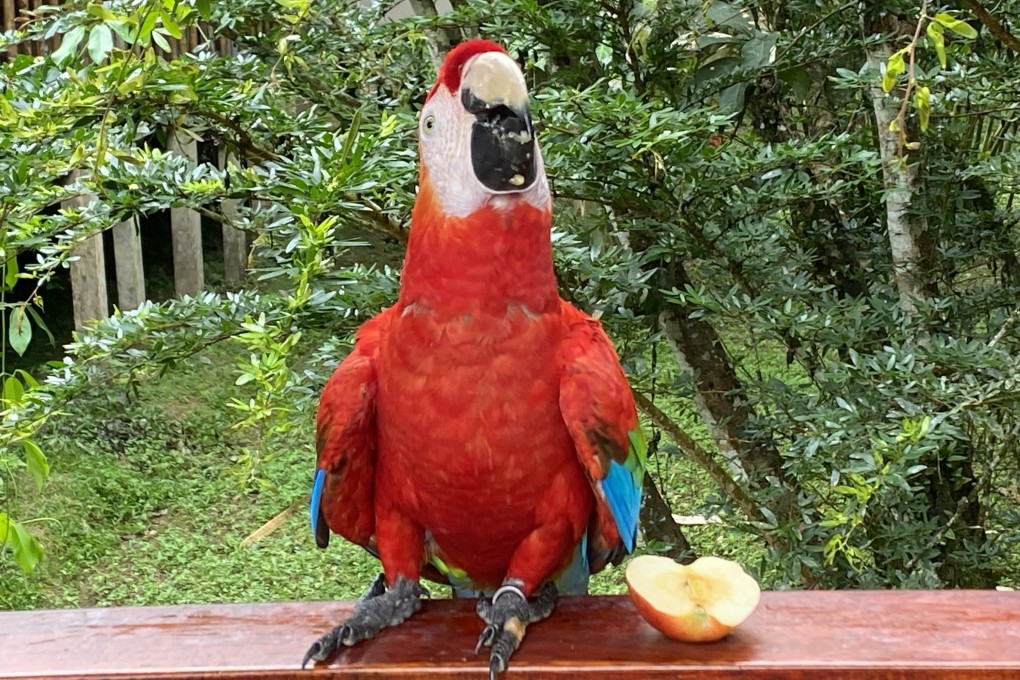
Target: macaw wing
[(598, 409), (344, 488)]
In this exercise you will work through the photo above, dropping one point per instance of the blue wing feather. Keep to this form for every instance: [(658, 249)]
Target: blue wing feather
[(623, 493), (320, 481)]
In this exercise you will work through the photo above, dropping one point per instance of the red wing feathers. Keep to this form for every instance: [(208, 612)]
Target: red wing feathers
[(346, 443), (598, 409)]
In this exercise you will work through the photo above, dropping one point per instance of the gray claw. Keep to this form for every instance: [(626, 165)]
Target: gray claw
[(507, 617), (485, 639), (378, 608), (496, 666)]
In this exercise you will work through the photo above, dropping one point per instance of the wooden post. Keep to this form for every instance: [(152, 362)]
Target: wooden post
[(127, 254), (186, 229), (88, 272), (10, 12), (235, 241)]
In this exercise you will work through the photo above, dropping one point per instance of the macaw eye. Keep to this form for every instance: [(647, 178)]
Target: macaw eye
[(429, 124)]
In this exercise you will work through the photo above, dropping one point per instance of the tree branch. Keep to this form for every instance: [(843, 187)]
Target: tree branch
[(245, 140), (702, 457), (993, 25)]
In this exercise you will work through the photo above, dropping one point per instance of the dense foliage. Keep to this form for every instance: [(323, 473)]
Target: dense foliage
[(797, 219)]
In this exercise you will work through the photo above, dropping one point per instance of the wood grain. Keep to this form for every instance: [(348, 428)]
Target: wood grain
[(883, 635)]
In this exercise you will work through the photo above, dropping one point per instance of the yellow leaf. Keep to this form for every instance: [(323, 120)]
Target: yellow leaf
[(922, 102), (893, 68), (955, 25)]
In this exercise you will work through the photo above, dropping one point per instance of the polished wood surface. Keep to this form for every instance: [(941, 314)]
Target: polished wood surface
[(819, 634)]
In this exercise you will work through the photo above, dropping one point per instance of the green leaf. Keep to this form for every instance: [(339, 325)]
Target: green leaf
[(759, 51), (158, 38), (27, 377), (733, 98), (727, 15), (955, 25), (11, 277), (352, 136), (27, 550), (38, 320), (38, 466), (68, 45), (937, 36), (100, 43), (124, 30), (148, 24), (13, 390), (799, 81), (204, 8), (100, 12), (20, 332), (170, 25)]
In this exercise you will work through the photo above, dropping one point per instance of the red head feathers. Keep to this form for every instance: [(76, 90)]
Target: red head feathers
[(449, 73)]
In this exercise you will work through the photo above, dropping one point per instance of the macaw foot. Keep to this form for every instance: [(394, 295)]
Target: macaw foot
[(507, 616), (378, 608)]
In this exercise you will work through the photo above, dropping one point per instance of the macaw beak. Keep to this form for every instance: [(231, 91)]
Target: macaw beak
[(502, 138)]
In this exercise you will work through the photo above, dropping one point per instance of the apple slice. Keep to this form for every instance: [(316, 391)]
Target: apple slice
[(700, 602)]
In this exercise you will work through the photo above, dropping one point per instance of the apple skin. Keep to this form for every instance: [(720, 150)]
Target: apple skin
[(696, 623), (698, 626)]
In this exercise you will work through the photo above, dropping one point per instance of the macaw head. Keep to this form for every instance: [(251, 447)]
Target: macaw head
[(476, 140)]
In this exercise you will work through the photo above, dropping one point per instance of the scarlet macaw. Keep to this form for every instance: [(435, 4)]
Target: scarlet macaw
[(481, 432)]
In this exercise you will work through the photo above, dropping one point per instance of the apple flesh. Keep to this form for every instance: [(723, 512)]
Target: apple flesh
[(699, 602)]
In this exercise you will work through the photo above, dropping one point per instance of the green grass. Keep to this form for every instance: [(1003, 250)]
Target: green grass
[(145, 505)]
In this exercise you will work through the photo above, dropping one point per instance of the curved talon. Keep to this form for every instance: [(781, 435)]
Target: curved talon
[(497, 665), (326, 645), (485, 639), (504, 644), (508, 616), (380, 607), (310, 654), (377, 588)]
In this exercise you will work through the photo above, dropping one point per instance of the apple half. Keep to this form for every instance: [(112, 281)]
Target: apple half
[(699, 602)]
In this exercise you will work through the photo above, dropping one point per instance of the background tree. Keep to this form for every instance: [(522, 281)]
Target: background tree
[(796, 219)]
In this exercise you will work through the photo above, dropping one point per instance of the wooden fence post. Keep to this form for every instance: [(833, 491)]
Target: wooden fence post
[(10, 11), (186, 229), (235, 241), (127, 255), (88, 272)]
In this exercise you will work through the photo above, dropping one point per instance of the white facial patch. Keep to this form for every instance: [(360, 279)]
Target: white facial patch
[(444, 139)]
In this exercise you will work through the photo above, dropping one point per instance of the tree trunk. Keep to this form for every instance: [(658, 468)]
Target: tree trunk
[(907, 229), (719, 396), (951, 485), (657, 523)]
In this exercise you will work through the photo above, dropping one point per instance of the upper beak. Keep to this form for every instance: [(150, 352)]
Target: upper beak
[(502, 138)]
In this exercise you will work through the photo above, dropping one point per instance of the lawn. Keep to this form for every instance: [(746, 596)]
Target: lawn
[(147, 504)]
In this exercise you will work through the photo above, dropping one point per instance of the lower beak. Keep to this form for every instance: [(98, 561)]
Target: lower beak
[(503, 148)]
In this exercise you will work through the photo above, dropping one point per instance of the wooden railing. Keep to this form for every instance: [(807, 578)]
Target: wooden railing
[(876, 635)]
